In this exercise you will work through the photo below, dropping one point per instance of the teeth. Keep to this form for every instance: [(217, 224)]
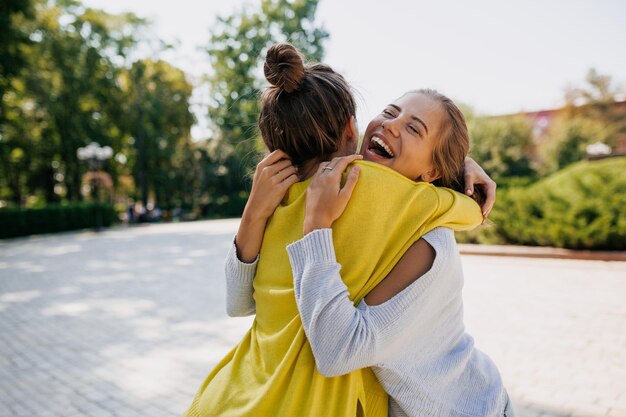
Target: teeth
[(382, 144)]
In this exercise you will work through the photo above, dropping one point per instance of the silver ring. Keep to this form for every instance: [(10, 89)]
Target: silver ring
[(327, 168)]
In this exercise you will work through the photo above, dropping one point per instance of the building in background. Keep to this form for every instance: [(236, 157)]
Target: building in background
[(542, 120)]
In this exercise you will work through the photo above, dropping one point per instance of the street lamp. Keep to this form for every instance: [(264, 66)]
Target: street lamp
[(95, 155)]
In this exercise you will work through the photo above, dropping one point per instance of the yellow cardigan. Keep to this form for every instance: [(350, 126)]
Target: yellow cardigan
[(272, 371)]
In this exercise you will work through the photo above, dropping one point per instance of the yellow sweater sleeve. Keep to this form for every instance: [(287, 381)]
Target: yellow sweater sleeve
[(455, 210)]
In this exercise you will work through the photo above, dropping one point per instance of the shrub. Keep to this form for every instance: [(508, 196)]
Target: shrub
[(16, 222), (580, 207)]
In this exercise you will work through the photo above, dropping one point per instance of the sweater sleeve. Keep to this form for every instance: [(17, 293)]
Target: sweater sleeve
[(455, 211), (239, 289), (344, 337)]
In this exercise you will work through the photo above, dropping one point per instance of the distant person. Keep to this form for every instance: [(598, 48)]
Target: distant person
[(387, 243), (130, 211), (141, 212), (156, 214), (178, 213)]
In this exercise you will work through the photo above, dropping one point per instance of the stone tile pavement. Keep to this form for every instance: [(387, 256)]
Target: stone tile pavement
[(128, 322)]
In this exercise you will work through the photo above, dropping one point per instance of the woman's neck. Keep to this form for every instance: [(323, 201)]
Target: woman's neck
[(308, 168)]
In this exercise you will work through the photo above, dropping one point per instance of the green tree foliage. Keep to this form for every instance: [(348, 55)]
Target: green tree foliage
[(236, 51), (567, 140), (503, 146), (13, 37), (77, 85), (157, 116), (66, 97)]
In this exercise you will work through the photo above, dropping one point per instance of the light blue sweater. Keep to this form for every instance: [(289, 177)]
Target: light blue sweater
[(415, 342)]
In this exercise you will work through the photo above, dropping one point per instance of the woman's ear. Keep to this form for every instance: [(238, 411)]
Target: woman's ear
[(350, 138), (431, 175), (351, 132)]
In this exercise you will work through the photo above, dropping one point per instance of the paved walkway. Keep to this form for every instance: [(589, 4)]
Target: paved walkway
[(129, 321)]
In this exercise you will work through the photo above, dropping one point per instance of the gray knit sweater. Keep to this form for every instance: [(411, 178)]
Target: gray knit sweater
[(415, 342)]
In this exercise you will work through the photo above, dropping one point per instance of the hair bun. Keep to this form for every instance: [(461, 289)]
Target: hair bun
[(284, 67)]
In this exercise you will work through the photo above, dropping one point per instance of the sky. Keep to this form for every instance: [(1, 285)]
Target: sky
[(498, 57)]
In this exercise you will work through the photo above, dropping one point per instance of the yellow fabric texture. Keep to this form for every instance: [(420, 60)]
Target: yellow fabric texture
[(272, 371)]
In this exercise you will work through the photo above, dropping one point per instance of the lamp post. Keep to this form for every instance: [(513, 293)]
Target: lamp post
[(95, 155)]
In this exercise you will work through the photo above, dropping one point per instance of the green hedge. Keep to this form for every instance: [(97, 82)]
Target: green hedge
[(580, 207), (54, 218)]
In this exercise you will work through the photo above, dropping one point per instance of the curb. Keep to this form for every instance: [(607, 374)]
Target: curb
[(541, 252)]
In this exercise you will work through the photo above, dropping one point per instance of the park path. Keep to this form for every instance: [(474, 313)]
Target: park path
[(127, 322)]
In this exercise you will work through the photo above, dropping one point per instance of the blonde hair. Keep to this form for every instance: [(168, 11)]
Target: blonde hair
[(452, 146)]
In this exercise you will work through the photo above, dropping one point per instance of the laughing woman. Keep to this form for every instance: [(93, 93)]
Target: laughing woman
[(409, 328)]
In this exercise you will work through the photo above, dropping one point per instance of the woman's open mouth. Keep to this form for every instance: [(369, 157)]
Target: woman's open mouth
[(379, 147)]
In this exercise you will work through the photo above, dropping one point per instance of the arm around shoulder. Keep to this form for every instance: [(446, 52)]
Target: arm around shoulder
[(455, 211)]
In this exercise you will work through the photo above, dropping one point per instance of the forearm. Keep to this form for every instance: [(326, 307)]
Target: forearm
[(250, 235), (343, 337), (272, 178), (239, 287)]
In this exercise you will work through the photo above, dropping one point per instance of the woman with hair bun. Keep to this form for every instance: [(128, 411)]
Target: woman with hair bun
[(316, 334)]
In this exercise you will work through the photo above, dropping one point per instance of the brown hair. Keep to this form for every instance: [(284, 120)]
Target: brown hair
[(452, 147), (306, 108)]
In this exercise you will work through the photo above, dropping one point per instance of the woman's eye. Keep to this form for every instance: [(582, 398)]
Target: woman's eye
[(387, 113), (414, 129)]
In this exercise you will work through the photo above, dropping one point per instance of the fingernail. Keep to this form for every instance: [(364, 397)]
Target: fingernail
[(468, 191)]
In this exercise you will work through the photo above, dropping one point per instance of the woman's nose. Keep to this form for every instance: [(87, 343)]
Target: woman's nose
[(390, 127)]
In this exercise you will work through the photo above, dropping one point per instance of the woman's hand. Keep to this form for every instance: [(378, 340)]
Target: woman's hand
[(475, 175), (325, 198), (272, 178)]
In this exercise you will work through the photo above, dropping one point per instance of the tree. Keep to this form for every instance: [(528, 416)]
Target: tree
[(159, 121), (236, 51), (501, 145), (599, 89), (13, 37), (589, 116), (66, 97), (596, 100), (567, 140)]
